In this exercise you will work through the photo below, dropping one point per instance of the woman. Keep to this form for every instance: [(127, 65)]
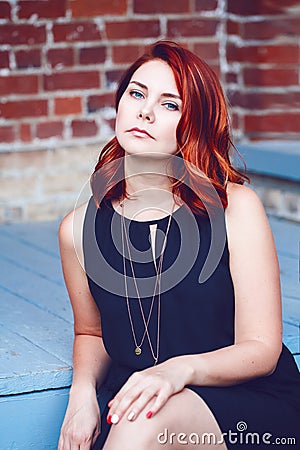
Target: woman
[(181, 342)]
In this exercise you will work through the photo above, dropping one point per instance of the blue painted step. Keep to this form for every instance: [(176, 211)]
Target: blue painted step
[(36, 330)]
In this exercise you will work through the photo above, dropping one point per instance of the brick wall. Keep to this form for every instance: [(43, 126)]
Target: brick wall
[(263, 67), (60, 60)]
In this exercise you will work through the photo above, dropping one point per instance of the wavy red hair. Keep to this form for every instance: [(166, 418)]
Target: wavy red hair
[(203, 133)]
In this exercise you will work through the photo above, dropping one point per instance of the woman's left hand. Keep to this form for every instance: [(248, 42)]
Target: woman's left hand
[(159, 382)]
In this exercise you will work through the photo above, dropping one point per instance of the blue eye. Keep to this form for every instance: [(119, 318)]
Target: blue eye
[(136, 94), (171, 106)]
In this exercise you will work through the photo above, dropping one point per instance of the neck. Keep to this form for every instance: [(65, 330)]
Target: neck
[(148, 187), (146, 173)]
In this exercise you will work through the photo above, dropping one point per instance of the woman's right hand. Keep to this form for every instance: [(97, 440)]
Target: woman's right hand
[(81, 425)]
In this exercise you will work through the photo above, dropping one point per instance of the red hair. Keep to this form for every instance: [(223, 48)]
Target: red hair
[(203, 133)]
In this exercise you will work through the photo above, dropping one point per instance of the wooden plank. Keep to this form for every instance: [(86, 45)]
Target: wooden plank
[(44, 330), (287, 236), (297, 359), (33, 420), (289, 276), (285, 157), (24, 367), (291, 337), (35, 290), (41, 235), (34, 260), (291, 310), (290, 328)]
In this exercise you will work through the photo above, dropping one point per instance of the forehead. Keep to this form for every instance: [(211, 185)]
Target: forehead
[(155, 73)]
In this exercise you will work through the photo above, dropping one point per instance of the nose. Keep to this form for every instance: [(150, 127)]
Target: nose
[(146, 115)]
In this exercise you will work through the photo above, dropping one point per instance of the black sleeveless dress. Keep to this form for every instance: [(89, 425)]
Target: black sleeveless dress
[(196, 315)]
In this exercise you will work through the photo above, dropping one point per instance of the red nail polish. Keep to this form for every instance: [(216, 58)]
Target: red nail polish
[(108, 419), (149, 414)]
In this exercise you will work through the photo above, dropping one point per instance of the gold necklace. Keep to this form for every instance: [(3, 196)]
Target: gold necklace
[(138, 346)]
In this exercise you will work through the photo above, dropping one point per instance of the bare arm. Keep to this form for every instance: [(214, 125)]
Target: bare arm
[(255, 274), (90, 359), (257, 344)]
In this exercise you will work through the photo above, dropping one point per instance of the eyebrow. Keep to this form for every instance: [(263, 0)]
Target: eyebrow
[(165, 94)]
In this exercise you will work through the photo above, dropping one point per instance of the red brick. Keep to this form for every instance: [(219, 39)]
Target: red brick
[(7, 133), (20, 84), (14, 34), (25, 132), (207, 50), (126, 53), (92, 8), (265, 100), (23, 108), (4, 59), (84, 128), (281, 122), (206, 5), (46, 9), (5, 10), (92, 55), (111, 123), (26, 59), (46, 130), (192, 27), (268, 29), (133, 29), (159, 7), (112, 77), (77, 31), (67, 105), (276, 54), (235, 121), (231, 77), (72, 80), (270, 77), (258, 7), (232, 27), (60, 57), (97, 102)]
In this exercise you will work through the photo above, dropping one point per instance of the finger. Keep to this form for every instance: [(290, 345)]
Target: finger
[(110, 402), (133, 404), (74, 446), (160, 401), (60, 443), (132, 381), (125, 392), (140, 404), (119, 407), (95, 437), (86, 445), (64, 444)]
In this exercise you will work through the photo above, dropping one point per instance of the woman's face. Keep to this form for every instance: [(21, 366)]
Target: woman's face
[(149, 111)]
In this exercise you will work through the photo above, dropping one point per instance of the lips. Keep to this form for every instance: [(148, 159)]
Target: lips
[(138, 132)]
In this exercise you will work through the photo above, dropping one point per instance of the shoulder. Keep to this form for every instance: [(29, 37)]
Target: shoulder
[(242, 199), (70, 229), (245, 215)]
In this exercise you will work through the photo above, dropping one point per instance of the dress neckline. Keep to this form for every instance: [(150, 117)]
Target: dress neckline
[(147, 222)]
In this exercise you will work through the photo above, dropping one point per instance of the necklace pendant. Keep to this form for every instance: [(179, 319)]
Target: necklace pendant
[(138, 351)]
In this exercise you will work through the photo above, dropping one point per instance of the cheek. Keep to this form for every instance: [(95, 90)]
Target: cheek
[(172, 130)]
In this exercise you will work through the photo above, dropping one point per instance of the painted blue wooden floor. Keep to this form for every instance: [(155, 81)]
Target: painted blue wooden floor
[(36, 329)]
